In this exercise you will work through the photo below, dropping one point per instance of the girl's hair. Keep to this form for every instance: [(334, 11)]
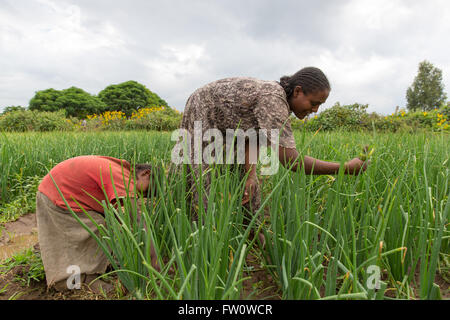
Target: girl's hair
[(311, 80), (142, 167)]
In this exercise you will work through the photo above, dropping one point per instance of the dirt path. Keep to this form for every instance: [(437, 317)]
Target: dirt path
[(18, 235)]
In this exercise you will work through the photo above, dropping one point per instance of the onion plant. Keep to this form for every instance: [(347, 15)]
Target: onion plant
[(325, 237), (326, 231), (201, 259)]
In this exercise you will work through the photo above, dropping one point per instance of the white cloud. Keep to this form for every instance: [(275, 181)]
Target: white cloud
[(175, 62), (363, 80), (55, 30), (379, 15)]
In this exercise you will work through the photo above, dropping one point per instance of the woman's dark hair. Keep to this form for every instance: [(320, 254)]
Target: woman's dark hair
[(311, 80)]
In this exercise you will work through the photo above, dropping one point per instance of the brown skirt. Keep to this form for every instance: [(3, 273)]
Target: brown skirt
[(65, 245)]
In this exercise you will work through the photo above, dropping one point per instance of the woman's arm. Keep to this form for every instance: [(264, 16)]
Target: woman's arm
[(251, 157), (288, 156)]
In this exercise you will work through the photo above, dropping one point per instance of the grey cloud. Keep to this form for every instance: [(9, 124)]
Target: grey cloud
[(369, 49)]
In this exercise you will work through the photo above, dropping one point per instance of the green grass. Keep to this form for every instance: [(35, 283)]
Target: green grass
[(27, 157), (30, 264), (323, 235)]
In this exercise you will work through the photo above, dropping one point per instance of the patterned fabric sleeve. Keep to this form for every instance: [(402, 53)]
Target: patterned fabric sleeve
[(272, 112)]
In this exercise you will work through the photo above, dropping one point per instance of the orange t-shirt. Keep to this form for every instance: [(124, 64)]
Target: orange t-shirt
[(80, 176)]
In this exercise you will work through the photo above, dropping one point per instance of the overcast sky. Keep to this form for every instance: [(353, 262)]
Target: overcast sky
[(370, 50)]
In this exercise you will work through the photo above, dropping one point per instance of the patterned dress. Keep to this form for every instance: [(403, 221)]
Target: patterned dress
[(237, 103)]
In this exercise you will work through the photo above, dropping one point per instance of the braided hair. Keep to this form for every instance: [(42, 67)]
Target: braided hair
[(311, 80)]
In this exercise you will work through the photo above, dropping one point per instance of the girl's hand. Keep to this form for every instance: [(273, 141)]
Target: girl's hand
[(355, 166)]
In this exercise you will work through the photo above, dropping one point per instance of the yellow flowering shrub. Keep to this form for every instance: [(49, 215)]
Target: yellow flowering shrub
[(148, 118), (441, 122), (145, 112)]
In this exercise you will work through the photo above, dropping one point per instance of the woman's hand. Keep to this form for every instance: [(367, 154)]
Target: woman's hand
[(355, 166), (250, 188)]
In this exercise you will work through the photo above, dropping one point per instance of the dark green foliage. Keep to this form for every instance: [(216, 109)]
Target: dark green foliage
[(79, 103), (45, 100), (28, 120), (129, 96), (75, 101), (17, 121), (348, 117), (355, 118), (12, 108)]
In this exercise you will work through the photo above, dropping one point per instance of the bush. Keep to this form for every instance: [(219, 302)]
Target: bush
[(391, 124), (12, 108), (164, 119), (28, 120), (51, 121), (159, 118), (17, 121), (348, 117), (445, 110), (355, 118)]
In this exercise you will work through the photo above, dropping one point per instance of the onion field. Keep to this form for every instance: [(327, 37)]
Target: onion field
[(379, 235)]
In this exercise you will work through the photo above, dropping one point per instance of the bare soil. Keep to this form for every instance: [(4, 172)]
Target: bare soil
[(17, 235)]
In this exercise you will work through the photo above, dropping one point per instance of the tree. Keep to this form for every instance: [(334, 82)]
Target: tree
[(79, 103), (12, 109), (75, 101), (427, 91), (45, 100), (128, 97)]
